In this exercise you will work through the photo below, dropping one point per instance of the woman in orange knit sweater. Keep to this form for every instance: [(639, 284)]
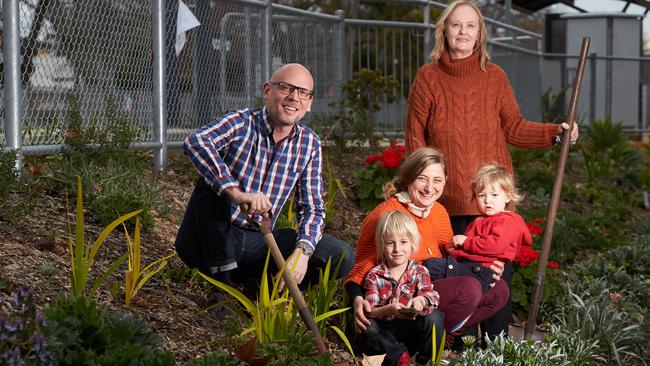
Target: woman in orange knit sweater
[(463, 105), (421, 180)]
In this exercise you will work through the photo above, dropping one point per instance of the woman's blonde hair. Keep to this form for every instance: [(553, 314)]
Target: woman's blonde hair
[(441, 41), (396, 222), (492, 175), (412, 167)]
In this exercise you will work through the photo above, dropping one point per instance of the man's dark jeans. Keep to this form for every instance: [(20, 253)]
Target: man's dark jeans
[(207, 240)]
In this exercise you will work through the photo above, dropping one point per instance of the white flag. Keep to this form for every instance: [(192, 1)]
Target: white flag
[(185, 21)]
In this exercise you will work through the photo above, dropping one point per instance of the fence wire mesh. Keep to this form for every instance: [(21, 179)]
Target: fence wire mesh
[(397, 52), (98, 55), (95, 54)]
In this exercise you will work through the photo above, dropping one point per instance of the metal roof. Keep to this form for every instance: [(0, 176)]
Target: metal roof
[(535, 5)]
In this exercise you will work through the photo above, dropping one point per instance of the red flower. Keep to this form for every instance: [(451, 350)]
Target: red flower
[(401, 148), (553, 264), (391, 159), (539, 221), (535, 230), (526, 256), (372, 159)]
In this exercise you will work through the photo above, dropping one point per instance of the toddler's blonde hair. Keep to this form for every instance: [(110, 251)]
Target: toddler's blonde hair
[(496, 175)]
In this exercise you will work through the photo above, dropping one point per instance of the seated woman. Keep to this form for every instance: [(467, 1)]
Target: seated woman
[(421, 181)]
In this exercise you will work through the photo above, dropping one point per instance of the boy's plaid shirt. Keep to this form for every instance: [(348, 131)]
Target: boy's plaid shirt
[(382, 289), (237, 150)]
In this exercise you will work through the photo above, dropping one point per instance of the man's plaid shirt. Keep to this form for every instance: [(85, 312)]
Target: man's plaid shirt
[(237, 150), (382, 289)]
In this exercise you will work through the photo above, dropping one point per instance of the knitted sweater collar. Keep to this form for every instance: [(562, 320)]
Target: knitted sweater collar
[(462, 67)]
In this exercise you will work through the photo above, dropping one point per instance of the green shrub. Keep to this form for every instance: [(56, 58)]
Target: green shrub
[(299, 349), (17, 198), (560, 350), (593, 313), (119, 192), (21, 331), (114, 175), (217, 358), (381, 169), (608, 156), (354, 119), (85, 333)]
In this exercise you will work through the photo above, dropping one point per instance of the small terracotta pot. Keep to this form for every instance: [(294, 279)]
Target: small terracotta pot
[(246, 353)]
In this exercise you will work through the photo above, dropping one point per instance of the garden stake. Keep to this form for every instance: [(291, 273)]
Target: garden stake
[(555, 197), (265, 227)]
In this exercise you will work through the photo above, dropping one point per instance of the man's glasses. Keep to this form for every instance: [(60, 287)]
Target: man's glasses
[(287, 89)]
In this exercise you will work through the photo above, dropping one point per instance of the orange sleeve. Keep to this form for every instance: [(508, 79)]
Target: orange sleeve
[(365, 255), (519, 131)]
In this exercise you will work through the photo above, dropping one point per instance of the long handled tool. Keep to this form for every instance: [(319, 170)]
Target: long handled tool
[(265, 227), (557, 188)]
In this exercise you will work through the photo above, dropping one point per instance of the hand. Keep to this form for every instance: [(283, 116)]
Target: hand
[(575, 132), (296, 263), (450, 247), (459, 240), (497, 267), (256, 202), (360, 307), (418, 303), (394, 311)]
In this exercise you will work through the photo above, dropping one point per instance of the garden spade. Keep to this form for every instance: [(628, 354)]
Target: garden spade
[(265, 228), (557, 188)]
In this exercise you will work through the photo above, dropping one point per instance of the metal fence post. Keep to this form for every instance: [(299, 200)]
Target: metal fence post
[(267, 45), (12, 85), (340, 50), (592, 87), (427, 32), (159, 93)]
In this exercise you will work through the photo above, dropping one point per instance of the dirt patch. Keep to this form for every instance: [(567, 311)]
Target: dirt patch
[(174, 309)]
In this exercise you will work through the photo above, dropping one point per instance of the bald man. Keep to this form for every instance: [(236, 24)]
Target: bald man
[(256, 157)]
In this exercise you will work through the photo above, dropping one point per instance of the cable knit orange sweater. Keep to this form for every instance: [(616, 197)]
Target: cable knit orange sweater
[(435, 231), (470, 115)]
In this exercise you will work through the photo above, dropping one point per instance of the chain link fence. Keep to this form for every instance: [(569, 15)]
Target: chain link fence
[(90, 56), (98, 57)]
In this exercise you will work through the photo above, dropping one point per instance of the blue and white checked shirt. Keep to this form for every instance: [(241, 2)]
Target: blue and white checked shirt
[(237, 150)]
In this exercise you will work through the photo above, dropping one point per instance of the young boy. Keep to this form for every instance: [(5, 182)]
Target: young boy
[(500, 232), (401, 295)]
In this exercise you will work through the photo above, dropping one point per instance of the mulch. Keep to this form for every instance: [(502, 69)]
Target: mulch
[(173, 309)]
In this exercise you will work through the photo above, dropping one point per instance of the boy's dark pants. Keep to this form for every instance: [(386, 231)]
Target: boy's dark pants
[(207, 240), (394, 337)]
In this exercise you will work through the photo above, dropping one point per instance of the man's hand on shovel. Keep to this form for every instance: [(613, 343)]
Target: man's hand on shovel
[(254, 203), (297, 264)]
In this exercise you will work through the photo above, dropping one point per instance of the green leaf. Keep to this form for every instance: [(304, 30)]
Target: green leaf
[(344, 339), (98, 282), (250, 307), (330, 313)]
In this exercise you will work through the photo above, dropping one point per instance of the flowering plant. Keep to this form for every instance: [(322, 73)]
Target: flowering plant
[(380, 169), (22, 341), (525, 270)]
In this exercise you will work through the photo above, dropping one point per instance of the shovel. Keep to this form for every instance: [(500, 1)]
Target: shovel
[(555, 196), (265, 227)]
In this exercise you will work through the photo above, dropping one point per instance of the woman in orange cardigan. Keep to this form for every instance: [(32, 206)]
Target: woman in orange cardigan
[(463, 104), (421, 181)]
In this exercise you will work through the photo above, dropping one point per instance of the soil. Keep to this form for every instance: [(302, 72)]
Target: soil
[(174, 309)]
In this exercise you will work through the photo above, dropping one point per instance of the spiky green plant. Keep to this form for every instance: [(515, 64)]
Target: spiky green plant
[(82, 254)]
